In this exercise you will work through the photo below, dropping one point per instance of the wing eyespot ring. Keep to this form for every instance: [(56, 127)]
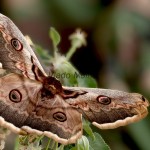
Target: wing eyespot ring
[(104, 100), (60, 116), (16, 44), (15, 96)]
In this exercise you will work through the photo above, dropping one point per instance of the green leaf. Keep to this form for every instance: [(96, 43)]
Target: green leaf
[(54, 35), (142, 136), (87, 129), (70, 147), (98, 143), (44, 55), (86, 81), (83, 143), (61, 147), (16, 146)]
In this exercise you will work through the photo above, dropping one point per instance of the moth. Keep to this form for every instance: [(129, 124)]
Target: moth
[(31, 102)]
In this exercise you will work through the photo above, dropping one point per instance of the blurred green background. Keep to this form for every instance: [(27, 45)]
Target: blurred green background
[(117, 54)]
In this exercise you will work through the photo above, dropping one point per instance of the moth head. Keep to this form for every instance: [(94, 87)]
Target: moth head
[(51, 87)]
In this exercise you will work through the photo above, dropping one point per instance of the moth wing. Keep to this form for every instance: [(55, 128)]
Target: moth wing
[(16, 54), (17, 100), (55, 119), (23, 110), (108, 109)]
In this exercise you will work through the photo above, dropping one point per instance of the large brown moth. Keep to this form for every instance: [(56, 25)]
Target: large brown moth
[(32, 102)]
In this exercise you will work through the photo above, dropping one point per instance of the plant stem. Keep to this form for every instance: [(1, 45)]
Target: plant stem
[(47, 147), (70, 52)]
